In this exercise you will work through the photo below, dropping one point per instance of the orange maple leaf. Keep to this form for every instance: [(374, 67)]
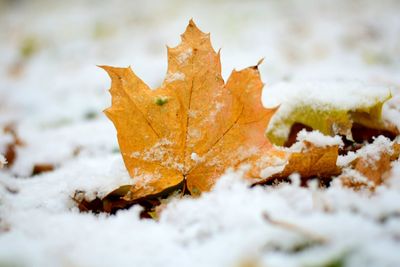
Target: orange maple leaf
[(192, 128)]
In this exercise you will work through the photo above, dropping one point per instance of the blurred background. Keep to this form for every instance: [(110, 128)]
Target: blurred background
[(52, 91), (49, 49)]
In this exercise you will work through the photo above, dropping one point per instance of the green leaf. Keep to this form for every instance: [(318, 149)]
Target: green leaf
[(327, 119)]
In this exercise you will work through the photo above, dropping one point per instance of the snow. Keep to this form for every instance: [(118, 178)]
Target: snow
[(3, 161), (370, 152), (391, 111), (318, 139), (321, 95), (269, 171), (315, 137), (339, 51), (340, 94), (185, 55), (196, 158), (231, 214)]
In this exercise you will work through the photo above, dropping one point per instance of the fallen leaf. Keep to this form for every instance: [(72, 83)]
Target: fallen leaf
[(328, 117), (114, 201), (396, 152), (11, 147), (370, 168), (42, 167), (194, 126), (312, 161), (376, 168)]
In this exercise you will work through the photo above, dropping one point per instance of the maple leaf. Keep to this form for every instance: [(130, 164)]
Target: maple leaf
[(192, 128)]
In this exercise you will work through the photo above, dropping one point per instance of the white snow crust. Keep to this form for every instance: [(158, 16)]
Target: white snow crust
[(337, 94), (319, 139)]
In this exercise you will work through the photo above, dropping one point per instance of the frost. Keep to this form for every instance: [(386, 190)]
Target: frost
[(214, 111), (219, 106), (192, 113), (195, 157), (160, 152), (136, 154), (244, 153), (176, 76), (184, 56), (144, 178), (194, 133)]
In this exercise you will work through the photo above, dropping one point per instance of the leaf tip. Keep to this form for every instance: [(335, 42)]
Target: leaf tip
[(193, 32), (108, 112), (110, 70), (105, 67), (191, 22)]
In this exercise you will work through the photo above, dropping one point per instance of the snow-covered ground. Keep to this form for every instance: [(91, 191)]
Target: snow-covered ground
[(53, 94)]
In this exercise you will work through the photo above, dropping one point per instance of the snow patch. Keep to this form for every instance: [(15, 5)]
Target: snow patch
[(319, 139), (356, 177), (319, 95), (275, 165), (391, 111), (343, 94), (269, 171), (370, 152)]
